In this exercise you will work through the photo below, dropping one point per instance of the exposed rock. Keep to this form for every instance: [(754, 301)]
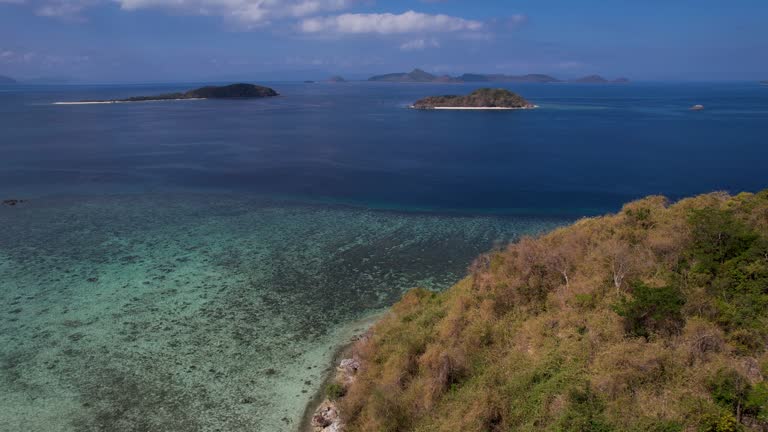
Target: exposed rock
[(13, 202), (697, 107), (326, 418)]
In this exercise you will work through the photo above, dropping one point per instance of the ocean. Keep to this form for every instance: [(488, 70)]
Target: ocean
[(193, 265)]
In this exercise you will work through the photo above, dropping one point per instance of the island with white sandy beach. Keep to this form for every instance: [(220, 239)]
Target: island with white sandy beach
[(481, 99), (232, 91)]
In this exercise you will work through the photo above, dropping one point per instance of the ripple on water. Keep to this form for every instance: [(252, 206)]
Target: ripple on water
[(201, 312)]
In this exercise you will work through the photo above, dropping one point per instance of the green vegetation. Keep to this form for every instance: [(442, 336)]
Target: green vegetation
[(652, 319), (484, 97), (232, 91), (334, 391)]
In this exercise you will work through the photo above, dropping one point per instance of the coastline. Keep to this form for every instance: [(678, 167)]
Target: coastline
[(357, 331), (122, 101), (475, 108)]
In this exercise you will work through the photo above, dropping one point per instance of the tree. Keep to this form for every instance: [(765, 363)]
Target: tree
[(652, 310)]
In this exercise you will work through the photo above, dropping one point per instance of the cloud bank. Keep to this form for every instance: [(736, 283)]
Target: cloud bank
[(388, 23)]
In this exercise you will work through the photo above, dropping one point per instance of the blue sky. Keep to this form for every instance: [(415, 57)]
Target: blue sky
[(193, 40)]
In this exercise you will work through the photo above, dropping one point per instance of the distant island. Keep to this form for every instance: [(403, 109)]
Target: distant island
[(336, 79), (764, 82), (529, 78), (484, 98), (597, 79), (420, 76), (7, 80), (416, 75), (232, 91)]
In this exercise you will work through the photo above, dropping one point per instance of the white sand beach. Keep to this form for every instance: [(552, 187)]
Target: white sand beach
[(122, 101), (477, 108)]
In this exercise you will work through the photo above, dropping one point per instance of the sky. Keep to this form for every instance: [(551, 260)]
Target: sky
[(216, 40)]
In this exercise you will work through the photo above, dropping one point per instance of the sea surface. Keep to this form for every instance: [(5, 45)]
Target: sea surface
[(192, 265)]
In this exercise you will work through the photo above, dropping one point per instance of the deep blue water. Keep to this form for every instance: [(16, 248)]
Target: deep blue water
[(157, 279), (586, 150)]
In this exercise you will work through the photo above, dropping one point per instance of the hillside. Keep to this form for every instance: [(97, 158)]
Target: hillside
[(232, 91), (419, 76), (530, 78), (597, 79), (652, 319), (484, 97), (416, 75)]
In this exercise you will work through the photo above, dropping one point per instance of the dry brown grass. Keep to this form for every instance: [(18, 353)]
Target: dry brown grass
[(530, 340)]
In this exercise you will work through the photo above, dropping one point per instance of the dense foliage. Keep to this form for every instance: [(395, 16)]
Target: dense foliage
[(484, 97), (232, 91), (653, 319)]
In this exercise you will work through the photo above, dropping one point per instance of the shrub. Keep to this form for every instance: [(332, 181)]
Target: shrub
[(335, 391), (729, 389), (720, 423), (652, 310), (757, 402), (584, 412)]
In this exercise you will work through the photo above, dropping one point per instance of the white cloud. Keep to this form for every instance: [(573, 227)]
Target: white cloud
[(387, 23), (419, 44), (255, 12), (517, 20)]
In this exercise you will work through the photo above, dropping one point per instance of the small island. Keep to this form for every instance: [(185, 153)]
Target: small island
[(481, 99), (232, 91), (336, 79), (597, 79)]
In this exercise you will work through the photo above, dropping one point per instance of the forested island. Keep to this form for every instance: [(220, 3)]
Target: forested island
[(484, 98), (651, 319), (232, 91), (420, 76)]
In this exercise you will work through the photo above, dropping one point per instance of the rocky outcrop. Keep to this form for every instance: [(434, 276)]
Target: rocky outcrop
[(13, 202), (327, 416)]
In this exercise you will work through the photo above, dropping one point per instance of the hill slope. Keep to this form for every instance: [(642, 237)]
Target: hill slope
[(653, 319), (484, 97)]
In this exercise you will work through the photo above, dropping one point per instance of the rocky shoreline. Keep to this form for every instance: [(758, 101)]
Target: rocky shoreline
[(323, 413)]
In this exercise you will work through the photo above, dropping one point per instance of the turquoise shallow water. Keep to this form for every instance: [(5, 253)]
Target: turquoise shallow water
[(201, 312)]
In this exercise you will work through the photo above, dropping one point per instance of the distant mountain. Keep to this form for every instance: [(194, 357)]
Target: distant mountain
[(530, 78), (416, 75), (336, 79), (7, 80), (597, 79), (419, 76)]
